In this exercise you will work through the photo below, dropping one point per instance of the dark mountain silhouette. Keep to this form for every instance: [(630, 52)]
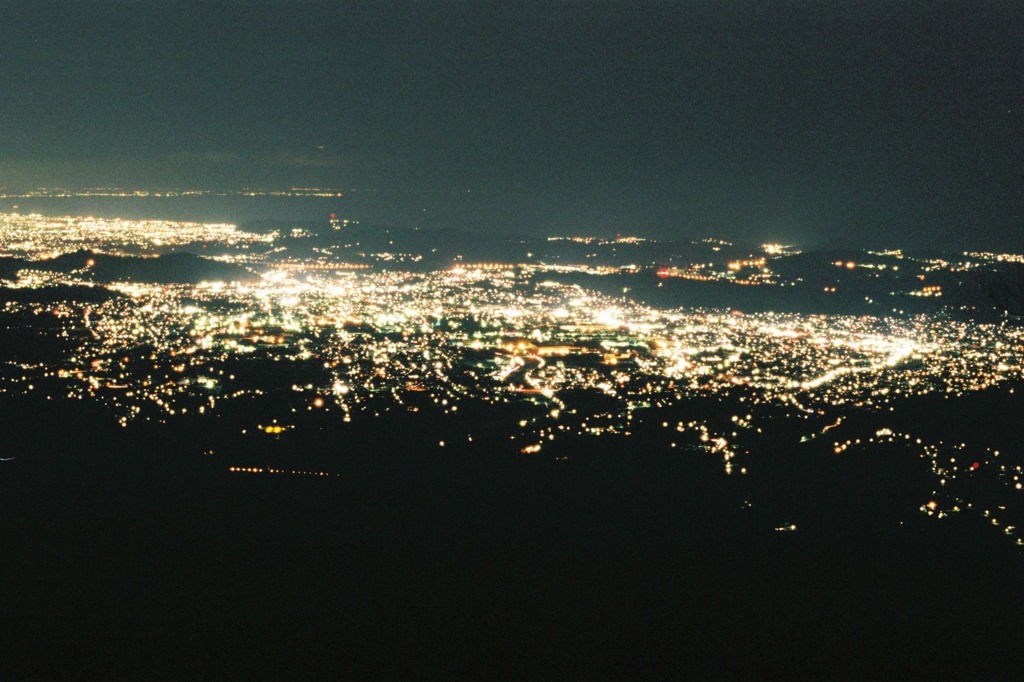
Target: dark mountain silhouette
[(81, 293), (172, 268), (9, 267)]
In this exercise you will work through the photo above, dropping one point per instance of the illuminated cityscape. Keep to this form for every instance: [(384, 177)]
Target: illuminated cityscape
[(629, 339), (362, 337)]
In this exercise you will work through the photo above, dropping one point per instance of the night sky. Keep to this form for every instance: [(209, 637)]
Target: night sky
[(881, 123)]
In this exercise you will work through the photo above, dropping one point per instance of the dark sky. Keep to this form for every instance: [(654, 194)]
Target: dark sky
[(900, 123)]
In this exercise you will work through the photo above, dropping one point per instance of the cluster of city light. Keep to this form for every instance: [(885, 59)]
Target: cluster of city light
[(390, 330), (744, 272), (477, 332), (120, 193), (988, 256), (775, 249), (35, 236), (620, 239), (960, 471)]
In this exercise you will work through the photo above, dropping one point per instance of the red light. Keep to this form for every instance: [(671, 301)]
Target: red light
[(975, 465), (333, 216)]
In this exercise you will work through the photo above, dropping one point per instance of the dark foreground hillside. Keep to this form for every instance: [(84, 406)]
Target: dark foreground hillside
[(127, 554)]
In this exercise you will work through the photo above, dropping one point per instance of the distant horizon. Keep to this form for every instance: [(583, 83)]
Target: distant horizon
[(295, 204)]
